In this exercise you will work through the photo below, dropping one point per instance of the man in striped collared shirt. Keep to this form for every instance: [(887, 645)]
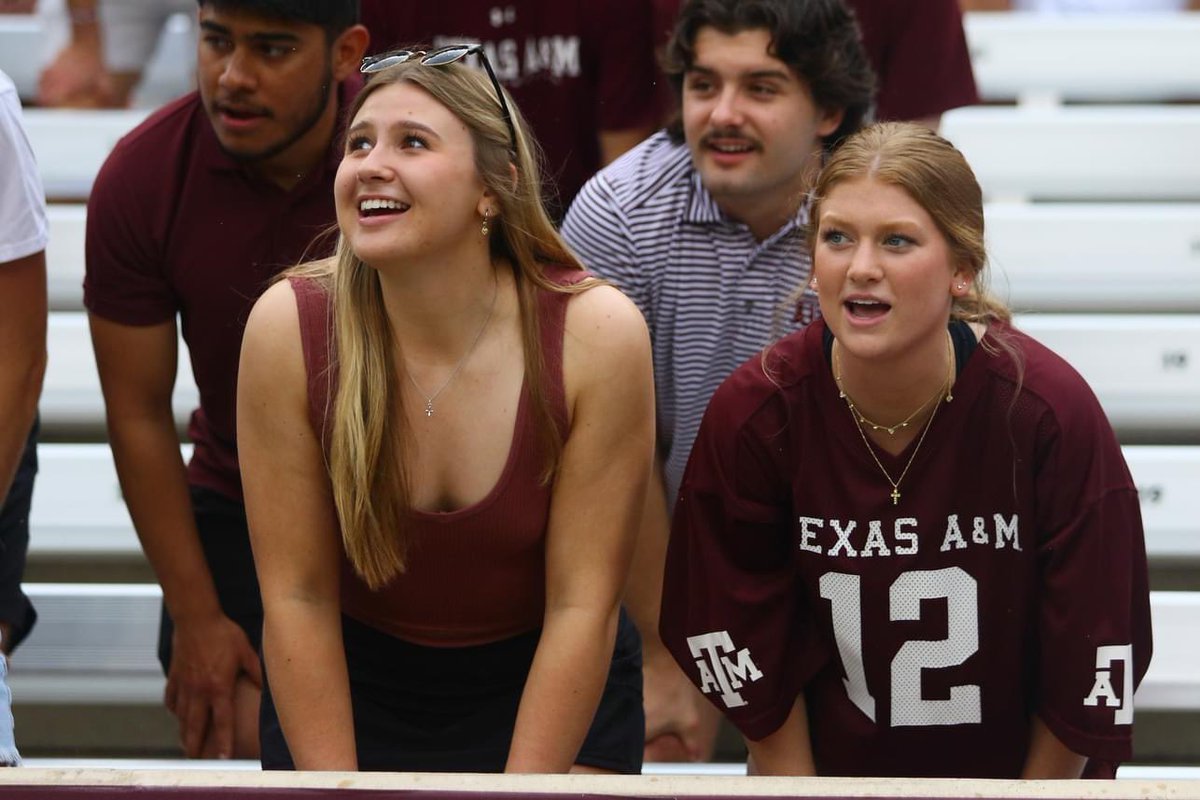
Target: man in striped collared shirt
[(701, 225)]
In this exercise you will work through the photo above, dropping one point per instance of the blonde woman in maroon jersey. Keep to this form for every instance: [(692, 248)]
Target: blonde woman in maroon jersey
[(906, 543), (445, 432)]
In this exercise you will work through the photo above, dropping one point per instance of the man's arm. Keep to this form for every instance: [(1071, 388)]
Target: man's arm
[(137, 374), (22, 356)]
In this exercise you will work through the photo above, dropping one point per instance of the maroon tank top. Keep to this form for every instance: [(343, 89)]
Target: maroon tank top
[(476, 574)]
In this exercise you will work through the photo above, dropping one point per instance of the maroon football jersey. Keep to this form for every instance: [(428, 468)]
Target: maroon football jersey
[(1008, 580)]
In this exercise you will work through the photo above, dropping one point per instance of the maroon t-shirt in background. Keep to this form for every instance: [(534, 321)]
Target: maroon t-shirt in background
[(1009, 580), (176, 226), (919, 51), (574, 67)]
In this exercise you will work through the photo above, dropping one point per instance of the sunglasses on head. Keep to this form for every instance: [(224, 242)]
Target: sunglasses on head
[(437, 58)]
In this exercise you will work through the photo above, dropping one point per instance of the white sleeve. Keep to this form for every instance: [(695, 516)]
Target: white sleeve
[(23, 229)]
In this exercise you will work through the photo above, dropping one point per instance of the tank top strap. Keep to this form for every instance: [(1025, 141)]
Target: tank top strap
[(316, 338), (552, 317)]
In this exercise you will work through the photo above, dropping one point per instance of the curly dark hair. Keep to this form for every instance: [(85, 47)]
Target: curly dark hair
[(818, 39)]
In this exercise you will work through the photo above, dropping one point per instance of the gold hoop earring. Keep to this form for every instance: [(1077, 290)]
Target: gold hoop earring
[(484, 229)]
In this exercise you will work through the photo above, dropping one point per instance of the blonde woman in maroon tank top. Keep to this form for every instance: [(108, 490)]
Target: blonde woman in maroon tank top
[(445, 433)]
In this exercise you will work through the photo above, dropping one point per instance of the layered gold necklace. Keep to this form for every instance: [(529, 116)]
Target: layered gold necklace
[(944, 392)]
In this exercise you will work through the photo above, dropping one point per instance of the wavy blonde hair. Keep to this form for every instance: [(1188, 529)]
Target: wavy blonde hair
[(368, 433)]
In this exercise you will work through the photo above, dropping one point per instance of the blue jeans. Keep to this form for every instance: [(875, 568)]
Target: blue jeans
[(9, 757)]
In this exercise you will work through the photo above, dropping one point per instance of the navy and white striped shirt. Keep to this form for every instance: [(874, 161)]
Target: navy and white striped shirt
[(712, 295)]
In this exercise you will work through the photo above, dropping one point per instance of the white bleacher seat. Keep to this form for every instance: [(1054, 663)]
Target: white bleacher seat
[(1173, 681), (1132, 257), (1089, 57), (70, 146), (1092, 153), (21, 51), (78, 509), (1168, 481), (93, 643), (1144, 368), (71, 395), (96, 643), (65, 256)]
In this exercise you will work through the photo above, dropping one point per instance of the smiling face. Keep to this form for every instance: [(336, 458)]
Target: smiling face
[(886, 277), (407, 187), (751, 125)]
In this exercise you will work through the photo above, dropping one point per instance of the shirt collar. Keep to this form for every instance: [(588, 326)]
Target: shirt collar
[(702, 209)]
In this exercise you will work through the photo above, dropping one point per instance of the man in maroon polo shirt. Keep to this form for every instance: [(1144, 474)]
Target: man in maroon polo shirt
[(191, 216)]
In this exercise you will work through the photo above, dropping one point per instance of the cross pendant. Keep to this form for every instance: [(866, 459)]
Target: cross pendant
[(429, 408), (895, 496)]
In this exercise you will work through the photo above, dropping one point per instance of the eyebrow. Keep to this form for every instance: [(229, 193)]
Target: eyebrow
[(832, 218), (266, 37), (758, 74), (409, 124)]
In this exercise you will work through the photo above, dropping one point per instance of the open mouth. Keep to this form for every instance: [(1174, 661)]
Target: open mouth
[(866, 309), (381, 208), (241, 114), (731, 148)]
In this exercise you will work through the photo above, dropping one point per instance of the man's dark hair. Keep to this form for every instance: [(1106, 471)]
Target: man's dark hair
[(334, 16), (818, 39)]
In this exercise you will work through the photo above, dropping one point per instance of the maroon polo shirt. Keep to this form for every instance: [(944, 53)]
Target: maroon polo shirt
[(175, 226), (575, 67)]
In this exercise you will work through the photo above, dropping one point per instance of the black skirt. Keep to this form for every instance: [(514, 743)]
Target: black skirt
[(452, 709)]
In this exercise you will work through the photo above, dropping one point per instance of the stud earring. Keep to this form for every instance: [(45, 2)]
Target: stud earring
[(484, 229), (812, 284)]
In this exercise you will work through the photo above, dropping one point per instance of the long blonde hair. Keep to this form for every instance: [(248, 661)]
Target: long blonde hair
[(368, 434)]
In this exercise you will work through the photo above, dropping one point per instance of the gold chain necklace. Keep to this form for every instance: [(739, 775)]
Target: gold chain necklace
[(429, 398), (859, 418)]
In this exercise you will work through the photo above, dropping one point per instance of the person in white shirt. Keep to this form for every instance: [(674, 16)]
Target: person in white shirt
[(23, 235)]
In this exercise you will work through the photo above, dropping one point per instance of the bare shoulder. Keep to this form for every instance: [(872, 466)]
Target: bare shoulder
[(276, 307), (602, 321), (271, 344), (607, 345)]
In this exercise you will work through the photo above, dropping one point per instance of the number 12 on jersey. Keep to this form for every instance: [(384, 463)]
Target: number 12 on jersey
[(908, 707)]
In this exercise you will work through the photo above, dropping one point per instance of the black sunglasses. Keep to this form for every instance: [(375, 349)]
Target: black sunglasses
[(436, 58)]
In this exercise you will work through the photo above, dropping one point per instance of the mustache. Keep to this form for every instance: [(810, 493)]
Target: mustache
[(729, 133)]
